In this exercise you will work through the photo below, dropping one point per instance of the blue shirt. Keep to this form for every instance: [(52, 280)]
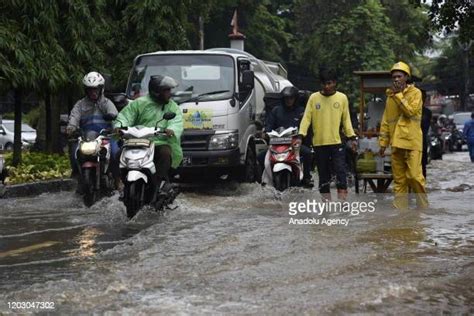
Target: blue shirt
[(468, 130)]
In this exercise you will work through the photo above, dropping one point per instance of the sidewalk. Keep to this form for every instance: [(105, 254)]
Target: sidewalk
[(35, 188)]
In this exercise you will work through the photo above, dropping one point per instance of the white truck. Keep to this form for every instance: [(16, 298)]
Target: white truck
[(221, 94)]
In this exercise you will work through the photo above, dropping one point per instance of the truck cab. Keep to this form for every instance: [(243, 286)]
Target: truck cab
[(220, 93)]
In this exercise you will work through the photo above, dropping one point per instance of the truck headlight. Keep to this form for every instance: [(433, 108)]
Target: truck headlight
[(224, 141)]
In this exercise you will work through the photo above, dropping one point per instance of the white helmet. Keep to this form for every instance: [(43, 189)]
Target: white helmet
[(93, 80)]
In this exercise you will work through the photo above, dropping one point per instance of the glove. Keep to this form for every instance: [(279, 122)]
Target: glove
[(169, 132), (70, 130), (354, 145)]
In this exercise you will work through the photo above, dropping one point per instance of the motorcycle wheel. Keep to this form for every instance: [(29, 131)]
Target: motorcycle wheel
[(88, 187), (282, 180), (134, 193)]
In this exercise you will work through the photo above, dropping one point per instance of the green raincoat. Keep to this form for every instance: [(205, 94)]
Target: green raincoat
[(146, 112)]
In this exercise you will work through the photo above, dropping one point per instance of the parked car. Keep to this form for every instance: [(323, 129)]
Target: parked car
[(460, 118), (28, 134)]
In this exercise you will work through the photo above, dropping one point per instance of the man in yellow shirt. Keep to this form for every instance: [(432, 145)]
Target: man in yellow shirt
[(325, 111), (400, 128)]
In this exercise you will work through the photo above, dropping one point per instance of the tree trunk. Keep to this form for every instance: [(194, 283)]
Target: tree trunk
[(47, 105), (17, 129), (467, 79), (56, 102)]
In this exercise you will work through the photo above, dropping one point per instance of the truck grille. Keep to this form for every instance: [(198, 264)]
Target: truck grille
[(196, 140)]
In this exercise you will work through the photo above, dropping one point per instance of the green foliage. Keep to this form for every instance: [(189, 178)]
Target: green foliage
[(452, 16), (411, 25), (37, 166), (449, 68), (31, 118), (359, 35), (269, 37), (139, 27)]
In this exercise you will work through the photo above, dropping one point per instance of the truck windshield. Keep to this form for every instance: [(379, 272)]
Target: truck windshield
[(209, 76)]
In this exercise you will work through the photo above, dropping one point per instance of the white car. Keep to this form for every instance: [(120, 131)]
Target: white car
[(28, 135)]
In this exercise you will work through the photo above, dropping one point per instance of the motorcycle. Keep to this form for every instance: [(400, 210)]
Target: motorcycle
[(138, 169), (283, 167), (93, 159), (436, 149), (457, 140), (446, 139)]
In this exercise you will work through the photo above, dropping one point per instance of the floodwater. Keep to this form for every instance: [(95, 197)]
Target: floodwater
[(231, 249)]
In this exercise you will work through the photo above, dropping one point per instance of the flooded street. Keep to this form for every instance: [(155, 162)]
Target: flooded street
[(231, 249)]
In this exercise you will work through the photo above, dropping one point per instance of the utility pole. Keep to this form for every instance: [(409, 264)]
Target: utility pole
[(201, 33), (465, 48)]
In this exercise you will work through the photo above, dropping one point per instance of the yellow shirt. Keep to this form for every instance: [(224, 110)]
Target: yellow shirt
[(325, 114), (400, 126)]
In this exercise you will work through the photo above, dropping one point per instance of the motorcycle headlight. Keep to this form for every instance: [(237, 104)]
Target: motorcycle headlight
[(88, 148), (224, 141), (282, 156), (135, 164)]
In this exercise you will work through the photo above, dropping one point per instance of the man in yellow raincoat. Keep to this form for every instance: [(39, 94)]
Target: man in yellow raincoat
[(400, 129)]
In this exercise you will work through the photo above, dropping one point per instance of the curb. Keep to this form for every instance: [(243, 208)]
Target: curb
[(36, 188)]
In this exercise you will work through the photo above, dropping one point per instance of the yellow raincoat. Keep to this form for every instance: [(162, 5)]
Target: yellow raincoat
[(400, 128)]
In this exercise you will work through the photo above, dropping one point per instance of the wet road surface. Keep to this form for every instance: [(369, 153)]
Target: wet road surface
[(231, 249)]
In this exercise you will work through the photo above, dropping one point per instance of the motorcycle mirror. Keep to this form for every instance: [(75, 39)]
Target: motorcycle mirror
[(169, 116), (109, 117)]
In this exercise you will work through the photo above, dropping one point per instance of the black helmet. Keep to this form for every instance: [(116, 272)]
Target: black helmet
[(158, 83), (290, 92)]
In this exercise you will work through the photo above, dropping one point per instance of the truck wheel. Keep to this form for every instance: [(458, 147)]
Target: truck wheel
[(251, 168)]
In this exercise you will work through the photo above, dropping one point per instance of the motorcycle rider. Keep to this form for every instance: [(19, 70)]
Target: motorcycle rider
[(468, 132), (88, 115), (288, 115), (147, 111), (326, 110)]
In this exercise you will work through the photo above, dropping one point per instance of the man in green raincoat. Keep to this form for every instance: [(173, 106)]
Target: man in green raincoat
[(147, 111)]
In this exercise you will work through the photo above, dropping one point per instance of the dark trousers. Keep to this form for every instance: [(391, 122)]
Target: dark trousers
[(470, 147), (306, 157), (162, 160), (331, 156), (424, 158)]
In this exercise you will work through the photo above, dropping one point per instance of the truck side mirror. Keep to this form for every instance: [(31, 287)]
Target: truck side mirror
[(118, 99), (247, 80)]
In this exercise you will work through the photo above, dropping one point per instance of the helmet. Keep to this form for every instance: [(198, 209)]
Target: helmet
[(93, 80), (289, 92), (401, 66), (158, 83)]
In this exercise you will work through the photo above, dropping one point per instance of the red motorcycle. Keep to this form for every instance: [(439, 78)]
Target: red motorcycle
[(283, 166)]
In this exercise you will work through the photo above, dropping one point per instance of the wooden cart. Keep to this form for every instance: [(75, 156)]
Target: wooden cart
[(375, 83)]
